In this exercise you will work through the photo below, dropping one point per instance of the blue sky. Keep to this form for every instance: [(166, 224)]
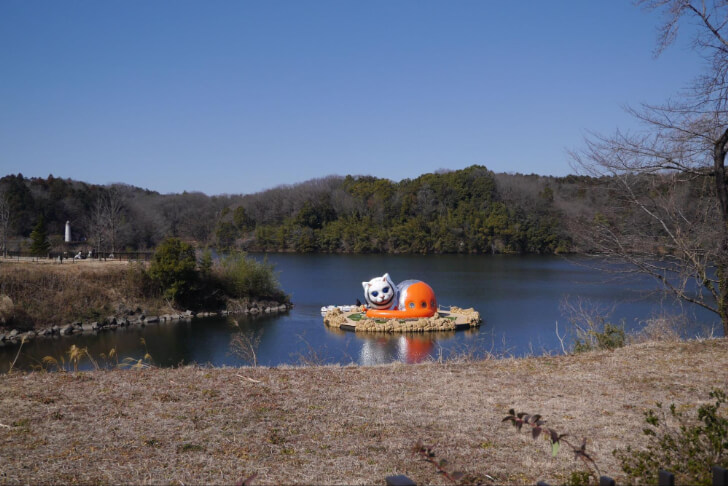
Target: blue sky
[(241, 96)]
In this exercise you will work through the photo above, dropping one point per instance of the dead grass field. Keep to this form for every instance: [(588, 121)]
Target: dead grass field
[(46, 292), (69, 264), (340, 425)]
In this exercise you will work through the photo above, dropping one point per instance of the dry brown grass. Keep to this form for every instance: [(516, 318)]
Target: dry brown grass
[(68, 264), (46, 293), (340, 425)]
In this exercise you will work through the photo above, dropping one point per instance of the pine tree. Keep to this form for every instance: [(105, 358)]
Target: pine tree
[(39, 246)]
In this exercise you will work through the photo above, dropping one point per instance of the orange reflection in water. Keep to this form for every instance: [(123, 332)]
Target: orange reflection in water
[(418, 348)]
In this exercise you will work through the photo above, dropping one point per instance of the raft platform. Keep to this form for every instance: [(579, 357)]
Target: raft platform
[(444, 320)]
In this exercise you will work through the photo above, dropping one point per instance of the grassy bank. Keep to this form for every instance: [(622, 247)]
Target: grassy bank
[(43, 293), (342, 425)]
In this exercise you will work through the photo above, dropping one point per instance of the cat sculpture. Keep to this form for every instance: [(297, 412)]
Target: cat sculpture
[(408, 299), (380, 293)]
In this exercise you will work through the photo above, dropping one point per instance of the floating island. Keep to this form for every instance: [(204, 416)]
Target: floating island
[(410, 306), (354, 318)]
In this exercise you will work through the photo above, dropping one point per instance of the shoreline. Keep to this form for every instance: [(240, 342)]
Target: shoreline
[(15, 337), (343, 424)]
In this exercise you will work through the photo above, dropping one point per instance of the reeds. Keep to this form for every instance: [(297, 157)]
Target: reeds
[(76, 356)]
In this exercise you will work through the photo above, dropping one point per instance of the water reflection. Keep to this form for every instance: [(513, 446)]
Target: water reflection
[(417, 348), (380, 348)]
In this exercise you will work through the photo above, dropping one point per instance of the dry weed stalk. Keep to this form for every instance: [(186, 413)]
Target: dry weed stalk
[(77, 354), (245, 346), (22, 341), (313, 356)]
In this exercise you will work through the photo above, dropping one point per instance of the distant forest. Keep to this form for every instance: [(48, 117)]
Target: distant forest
[(472, 210)]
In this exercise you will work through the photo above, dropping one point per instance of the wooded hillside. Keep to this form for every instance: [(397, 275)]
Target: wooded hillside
[(472, 210)]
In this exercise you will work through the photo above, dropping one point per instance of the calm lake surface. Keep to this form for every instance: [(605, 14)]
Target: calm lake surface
[(518, 298)]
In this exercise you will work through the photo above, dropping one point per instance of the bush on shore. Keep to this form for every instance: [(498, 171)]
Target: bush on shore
[(205, 284), (174, 270), (241, 277)]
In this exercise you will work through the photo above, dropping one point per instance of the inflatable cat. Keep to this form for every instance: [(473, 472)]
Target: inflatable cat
[(408, 299), (380, 293)]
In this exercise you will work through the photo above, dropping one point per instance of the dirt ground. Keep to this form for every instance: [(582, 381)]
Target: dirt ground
[(341, 425)]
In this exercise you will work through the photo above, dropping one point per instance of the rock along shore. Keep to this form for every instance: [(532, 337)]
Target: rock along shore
[(137, 318)]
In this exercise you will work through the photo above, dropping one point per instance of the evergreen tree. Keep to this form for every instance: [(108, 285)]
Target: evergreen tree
[(39, 246), (174, 269)]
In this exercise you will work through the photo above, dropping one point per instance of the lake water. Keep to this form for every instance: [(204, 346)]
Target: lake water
[(518, 298)]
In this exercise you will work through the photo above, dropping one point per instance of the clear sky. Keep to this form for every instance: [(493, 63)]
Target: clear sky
[(241, 96)]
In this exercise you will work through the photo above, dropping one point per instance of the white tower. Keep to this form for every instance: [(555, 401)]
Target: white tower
[(67, 238)]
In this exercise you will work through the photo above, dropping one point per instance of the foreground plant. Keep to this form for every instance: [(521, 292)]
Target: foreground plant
[(538, 429), (686, 446), (441, 465)]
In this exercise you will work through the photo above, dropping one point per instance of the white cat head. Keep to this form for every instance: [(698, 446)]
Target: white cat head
[(379, 292)]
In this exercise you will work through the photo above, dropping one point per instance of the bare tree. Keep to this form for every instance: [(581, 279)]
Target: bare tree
[(668, 211), (104, 221), (96, 226), (111, 209), (4, 221)]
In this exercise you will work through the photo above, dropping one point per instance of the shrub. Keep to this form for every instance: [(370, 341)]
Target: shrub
[(243, 277), (173, 268), (611, 337), (687, 447), (662, 327), (591, 327)]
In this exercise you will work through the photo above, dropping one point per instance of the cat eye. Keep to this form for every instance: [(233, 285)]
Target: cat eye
[(375, 293), (385, 290)]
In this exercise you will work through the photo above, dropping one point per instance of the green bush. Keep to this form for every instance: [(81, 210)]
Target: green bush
[(612, 337), (173, 268), (243, 277), (687, 447)]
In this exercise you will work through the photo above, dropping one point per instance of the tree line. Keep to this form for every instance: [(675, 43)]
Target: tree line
[(472, 210)]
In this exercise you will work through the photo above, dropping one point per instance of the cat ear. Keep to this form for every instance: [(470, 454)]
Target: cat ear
[(365, 285), (386, 278)]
